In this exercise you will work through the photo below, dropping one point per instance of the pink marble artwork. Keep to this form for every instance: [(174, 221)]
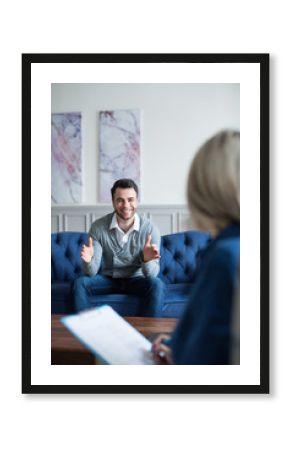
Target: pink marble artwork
[(66, 158), (119, 149)]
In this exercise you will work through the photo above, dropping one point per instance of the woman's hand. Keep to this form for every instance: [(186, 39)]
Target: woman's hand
[(161, 352)]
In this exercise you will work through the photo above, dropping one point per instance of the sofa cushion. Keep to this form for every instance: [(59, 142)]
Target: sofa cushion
[(61, 298), (179, 254), (66, 263), (175, 299)]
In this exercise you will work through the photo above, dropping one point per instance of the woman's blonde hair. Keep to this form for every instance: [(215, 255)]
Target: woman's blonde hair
[(213, 188)]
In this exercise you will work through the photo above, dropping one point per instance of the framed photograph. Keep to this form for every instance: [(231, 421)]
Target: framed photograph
[(81, 121)]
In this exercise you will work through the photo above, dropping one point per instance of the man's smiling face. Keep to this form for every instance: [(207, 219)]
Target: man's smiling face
[(125, 203)]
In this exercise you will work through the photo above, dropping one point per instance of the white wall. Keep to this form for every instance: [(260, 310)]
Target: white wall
[(176, 119)]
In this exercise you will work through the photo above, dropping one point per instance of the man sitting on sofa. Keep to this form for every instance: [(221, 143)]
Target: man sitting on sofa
[(128, 247)]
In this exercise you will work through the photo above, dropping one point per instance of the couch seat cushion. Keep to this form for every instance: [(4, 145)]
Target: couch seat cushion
[(176, 298), (61, 296)]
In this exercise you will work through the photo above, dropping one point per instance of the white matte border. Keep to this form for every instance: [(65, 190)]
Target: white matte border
[(42, 75)]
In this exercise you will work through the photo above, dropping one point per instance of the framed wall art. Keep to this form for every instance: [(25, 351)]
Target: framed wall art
[(201, 93)]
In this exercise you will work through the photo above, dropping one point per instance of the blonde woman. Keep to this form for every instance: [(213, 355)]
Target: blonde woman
[(203, 334)]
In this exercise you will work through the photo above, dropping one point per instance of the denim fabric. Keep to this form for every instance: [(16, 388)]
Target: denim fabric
[(150, 292)]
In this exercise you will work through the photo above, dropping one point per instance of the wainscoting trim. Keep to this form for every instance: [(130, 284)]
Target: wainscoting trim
[(169, 218)]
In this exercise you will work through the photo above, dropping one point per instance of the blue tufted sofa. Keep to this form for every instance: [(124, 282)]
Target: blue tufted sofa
[(178, 252)]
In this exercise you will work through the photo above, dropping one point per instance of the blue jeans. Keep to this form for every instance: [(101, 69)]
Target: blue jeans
[(149, 289)]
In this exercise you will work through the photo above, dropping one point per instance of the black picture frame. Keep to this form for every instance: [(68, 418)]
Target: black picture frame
[(263, 61)]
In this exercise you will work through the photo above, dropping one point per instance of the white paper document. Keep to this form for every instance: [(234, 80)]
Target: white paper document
[(109, 336)]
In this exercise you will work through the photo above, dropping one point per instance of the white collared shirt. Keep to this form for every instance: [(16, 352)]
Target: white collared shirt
[(122, 237)]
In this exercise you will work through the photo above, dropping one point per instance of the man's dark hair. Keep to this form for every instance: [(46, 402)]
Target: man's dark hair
[(124, 183)]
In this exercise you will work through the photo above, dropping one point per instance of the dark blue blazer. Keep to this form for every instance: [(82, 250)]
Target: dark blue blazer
[(203, 334)]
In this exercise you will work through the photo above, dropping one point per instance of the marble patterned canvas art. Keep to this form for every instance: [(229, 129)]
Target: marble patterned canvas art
[(66, 158), (119, 149)]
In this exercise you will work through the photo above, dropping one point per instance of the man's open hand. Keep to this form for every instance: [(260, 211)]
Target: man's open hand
[(150, 251), (87, 251)]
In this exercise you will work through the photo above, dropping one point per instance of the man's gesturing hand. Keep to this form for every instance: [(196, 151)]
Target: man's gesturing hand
[(87, 251), (150, 251)]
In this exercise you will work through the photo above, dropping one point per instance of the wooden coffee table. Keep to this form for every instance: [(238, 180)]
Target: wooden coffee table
[(66, 349)]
